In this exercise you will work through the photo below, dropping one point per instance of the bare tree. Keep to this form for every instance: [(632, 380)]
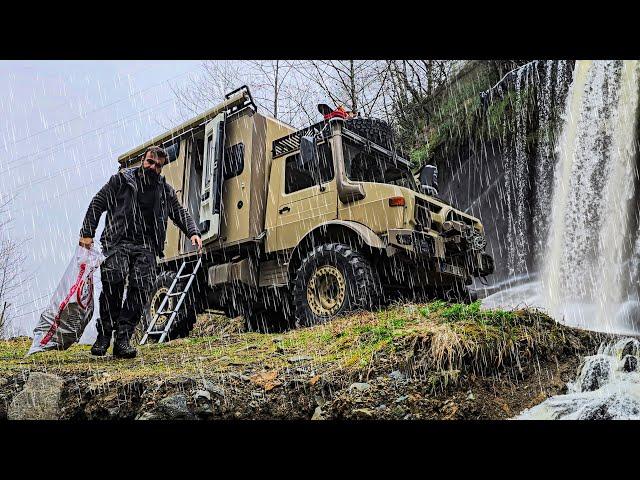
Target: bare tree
[(356, 84), (272, 85), (11, 265), (397, 91)]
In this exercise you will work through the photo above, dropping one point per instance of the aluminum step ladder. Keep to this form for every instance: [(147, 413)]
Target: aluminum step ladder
[(171, 293)]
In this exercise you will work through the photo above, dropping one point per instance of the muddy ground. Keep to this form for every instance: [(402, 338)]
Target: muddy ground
[(409, 363)]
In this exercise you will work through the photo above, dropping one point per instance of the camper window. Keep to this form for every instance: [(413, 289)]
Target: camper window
[(234, 161)]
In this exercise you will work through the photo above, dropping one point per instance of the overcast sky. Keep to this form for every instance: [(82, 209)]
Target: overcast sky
[(63, 125)]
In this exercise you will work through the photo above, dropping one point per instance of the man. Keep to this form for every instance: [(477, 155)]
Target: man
[(138, 202)]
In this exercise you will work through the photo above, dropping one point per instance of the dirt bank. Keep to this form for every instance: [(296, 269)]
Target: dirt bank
[(428, 361)]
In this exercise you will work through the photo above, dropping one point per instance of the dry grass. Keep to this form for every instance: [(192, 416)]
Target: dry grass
[(436, 337)]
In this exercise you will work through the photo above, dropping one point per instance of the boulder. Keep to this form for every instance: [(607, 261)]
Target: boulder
[(360, 387), (148, 416), (629, 363), (175, 407), (618, 406), (629, 346), (39, 398), (595, 373), (318, 414)]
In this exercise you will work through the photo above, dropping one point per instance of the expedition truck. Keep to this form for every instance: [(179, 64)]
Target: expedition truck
[(299, 226)]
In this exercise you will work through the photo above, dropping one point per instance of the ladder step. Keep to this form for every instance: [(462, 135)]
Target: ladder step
[(163, 333)]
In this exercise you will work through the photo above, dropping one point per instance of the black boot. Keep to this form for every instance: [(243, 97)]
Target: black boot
[(101, 344), (122, 348)]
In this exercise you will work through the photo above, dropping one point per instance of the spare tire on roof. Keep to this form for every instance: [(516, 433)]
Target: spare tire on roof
[(374, 129)]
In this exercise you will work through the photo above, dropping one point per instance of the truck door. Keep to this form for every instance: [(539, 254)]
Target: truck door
[(210, 198), (307, 198)]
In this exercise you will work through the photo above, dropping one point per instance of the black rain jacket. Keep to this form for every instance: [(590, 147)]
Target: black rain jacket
[(117, 198)]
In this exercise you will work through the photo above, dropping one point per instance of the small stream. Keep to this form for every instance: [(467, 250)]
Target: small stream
[(607, 388)]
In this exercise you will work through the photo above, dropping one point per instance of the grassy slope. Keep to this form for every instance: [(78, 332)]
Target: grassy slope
[(437, 338)]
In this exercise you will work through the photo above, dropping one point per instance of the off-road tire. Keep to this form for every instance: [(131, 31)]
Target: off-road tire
[(185, 319), (256, 317), (378, 131), (362, 284)]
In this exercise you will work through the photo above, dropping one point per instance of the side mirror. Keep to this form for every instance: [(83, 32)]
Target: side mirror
[(429, 179), (308, 153)]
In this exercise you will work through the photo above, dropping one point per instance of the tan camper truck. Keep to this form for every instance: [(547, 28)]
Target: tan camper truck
[(302, 225)]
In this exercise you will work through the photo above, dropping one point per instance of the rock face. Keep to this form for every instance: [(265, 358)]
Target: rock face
[(595, 373), (38, 400)]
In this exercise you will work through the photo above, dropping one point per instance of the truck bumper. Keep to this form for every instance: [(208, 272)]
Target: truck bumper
[(415, 245)]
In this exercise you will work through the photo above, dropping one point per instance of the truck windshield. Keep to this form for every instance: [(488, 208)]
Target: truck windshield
[(363, 166)]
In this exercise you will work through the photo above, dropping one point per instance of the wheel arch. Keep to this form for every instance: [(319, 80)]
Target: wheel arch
[(336, 231)]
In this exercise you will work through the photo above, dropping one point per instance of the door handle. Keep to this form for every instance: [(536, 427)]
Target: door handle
[(284, 209)]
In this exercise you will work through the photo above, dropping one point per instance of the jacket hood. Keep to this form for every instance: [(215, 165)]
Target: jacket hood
[(129, 175)]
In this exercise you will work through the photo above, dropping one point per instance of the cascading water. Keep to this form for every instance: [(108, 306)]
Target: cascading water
[(607, 388), (582, 275), (587, 238), (554, 85), (527, 181), (516, 179), (584, 203)]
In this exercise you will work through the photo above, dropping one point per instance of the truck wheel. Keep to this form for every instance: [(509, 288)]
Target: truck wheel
[(182, 324), (333, 279), (372, 129)]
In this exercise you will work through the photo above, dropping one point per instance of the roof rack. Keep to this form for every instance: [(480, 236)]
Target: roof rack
[(291, 143), (233, 102)]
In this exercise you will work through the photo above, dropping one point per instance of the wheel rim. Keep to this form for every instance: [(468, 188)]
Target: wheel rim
[(326, 291), (156, 300)]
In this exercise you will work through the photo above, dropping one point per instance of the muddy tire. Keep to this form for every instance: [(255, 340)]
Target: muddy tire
[(258, 318), (333, 279), (373, 129), (184, 321)]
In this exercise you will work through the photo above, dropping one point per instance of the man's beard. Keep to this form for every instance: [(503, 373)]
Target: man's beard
[(149, 175)]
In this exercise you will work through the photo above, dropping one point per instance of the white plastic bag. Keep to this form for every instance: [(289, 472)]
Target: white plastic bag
[(71, 307)]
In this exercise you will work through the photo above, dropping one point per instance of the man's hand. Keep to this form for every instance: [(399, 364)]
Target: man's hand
[(196, 240), (86, 242)]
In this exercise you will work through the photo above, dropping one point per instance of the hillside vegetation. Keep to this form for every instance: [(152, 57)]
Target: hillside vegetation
[(407, 361)]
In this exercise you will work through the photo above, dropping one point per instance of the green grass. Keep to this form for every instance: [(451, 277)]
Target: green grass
[(438, 336)]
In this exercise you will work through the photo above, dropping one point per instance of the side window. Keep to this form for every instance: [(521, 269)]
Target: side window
[(294, 178), (234, 161), (298, 179)]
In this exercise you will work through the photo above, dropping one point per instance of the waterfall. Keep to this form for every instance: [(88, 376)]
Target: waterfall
[(528, 164), (551, 88), (583, 279), (516, 176), (584, 216)]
